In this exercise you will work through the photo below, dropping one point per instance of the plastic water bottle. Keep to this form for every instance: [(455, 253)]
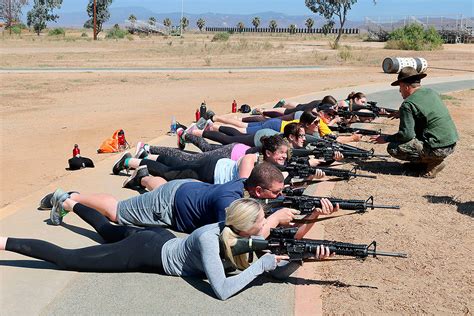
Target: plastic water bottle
[(234, 107), (173, 125)]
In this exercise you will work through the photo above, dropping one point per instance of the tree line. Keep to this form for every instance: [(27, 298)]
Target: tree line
[(42, 12)]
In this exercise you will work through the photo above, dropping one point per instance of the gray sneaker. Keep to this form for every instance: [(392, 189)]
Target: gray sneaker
[(119, 165), (57, 212), (201, 123), (134, 181), (46, 202)]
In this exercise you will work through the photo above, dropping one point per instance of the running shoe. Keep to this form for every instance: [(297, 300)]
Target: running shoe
[(279, 104), (57, 212), (134, 181), (119, 165), (181, 142)]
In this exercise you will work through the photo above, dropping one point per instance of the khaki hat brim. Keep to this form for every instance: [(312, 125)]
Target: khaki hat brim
[(418, 76)]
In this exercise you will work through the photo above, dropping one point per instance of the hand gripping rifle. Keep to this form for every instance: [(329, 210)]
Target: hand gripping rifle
[(301, 170), (281, 242), (306, 204)]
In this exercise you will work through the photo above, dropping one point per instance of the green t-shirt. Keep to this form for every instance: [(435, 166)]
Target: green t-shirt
[(423, 115)]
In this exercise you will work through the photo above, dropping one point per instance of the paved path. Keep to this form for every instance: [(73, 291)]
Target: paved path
[(31, 287), (160, 69)]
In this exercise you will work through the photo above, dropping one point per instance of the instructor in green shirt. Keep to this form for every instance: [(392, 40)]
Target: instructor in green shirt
[(427, 134)]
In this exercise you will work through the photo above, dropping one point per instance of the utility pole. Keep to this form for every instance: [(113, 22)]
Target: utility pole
[(95, 20), (181, 21)]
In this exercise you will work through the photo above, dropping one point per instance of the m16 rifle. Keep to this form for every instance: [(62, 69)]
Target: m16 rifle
[(306, 204), (281, 242), (372, 106), (301, 170), (327, 153)]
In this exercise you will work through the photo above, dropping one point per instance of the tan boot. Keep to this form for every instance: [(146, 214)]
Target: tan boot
[(433, 168)]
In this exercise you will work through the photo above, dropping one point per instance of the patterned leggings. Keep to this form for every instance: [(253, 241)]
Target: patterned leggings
[(208, 150)]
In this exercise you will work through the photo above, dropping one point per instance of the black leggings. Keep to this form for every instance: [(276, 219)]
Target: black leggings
[(127, 249), (202, 169), (304, 107), (246, 139)]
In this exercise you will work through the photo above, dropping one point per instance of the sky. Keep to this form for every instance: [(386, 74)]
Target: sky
[(363, 8)]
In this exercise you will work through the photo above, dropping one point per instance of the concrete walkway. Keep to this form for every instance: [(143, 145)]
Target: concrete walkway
[(31, 287)]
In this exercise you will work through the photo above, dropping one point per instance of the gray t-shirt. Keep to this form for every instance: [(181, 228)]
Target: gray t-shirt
[(198, 254), (263, 132)]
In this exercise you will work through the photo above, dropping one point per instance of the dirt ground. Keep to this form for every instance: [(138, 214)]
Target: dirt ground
[(44, 114), (434, 226)]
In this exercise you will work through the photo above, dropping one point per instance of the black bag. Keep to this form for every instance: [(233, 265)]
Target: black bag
[(245, 108), (76, 163)]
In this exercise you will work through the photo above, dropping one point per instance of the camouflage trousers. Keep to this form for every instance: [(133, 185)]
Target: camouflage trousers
[(417, 151)]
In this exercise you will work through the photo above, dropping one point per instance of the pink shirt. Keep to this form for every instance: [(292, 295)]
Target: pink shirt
[(238, 151)]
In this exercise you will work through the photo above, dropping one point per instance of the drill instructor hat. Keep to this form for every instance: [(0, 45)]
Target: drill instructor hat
[(408, 75)]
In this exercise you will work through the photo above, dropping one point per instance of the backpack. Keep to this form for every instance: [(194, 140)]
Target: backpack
[(76, 163), (111, 145)]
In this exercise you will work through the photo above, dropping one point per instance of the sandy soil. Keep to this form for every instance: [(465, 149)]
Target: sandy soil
[(43, 115), (434, 226)]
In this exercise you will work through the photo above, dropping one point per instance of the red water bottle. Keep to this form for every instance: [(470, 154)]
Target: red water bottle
[(234, 107), (197, 114), (76, 151), (121, 140)]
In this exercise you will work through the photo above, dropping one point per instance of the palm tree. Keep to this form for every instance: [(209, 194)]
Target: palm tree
[(184, 23), (132, 18), (256, 22), (240, 26), (292, 29), (273, 25), (309, 23), (167, 22), (200, 23)]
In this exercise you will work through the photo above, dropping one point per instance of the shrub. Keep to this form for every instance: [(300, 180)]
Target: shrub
[(414, 37), (84, 34), (59, 31), (345, 53), (16, 29), (116, 33), (221, 37)]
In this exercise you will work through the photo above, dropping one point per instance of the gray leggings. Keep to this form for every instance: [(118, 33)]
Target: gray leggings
[(208, 150)]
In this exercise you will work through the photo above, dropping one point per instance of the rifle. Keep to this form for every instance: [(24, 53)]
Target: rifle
[(281, 242), (306, 204), (372, 106), (348, 114), (304, 170), (327, 153), (341, 128)]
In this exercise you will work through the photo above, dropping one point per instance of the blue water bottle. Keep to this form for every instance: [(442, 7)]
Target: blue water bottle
[(173, 125)]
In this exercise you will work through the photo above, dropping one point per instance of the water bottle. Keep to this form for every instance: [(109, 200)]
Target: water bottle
[(173, 125), (234, 107), (197, 115), (121, 140), (76, 151), (202, 109)]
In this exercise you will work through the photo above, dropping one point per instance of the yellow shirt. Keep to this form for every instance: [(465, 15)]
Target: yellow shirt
[(284, 123), (324, 129)]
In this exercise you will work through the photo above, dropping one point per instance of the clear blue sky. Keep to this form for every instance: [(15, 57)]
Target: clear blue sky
[(383, 8)]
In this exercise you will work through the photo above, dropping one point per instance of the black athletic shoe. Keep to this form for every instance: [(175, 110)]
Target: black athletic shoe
[(209, 115), (133, 182), (179, 125), (119, 165)]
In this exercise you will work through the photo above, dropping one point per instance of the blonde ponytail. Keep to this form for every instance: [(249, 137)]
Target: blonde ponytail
[(241, 215)]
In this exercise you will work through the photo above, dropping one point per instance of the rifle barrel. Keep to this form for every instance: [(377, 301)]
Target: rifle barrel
[(395, 207), (387, 254)]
